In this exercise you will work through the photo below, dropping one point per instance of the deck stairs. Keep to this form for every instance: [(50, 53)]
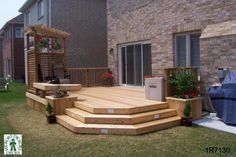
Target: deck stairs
[(99, 112)]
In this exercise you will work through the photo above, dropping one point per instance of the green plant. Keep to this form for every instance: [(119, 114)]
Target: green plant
[(43, 43), (49, 109), (183, 85), (57, 46), (187, 109)]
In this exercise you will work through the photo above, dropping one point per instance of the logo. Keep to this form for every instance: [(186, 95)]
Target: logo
[(12, 144)]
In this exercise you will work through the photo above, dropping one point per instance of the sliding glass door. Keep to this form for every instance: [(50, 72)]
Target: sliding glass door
[(135, 64)]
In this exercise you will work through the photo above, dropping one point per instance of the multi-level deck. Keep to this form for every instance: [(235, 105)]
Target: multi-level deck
[(116, 110)]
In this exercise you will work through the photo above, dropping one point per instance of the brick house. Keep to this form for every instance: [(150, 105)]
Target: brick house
[(13, 48), (85, 20), (146, 36), (1, 74)]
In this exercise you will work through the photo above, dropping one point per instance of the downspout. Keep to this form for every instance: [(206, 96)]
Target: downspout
[(49, 13), (12, 52)]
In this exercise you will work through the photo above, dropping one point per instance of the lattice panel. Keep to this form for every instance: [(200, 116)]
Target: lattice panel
[(48, 61), (31, 70)]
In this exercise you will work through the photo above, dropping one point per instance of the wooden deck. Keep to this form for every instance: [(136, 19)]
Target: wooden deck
[(116, 110)]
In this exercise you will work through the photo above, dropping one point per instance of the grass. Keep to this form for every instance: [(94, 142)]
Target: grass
[(41, 139)]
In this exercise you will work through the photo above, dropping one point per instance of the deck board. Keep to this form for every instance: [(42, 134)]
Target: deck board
[(131, 97)]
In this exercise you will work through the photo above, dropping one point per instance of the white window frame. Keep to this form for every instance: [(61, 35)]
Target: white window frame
[(21, 35), (120, 59), (188, 48), (41, 9)]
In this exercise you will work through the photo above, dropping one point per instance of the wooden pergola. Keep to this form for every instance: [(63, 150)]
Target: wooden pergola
[(43, 60)]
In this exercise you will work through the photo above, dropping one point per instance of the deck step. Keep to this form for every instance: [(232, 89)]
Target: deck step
[(77, 126), (90, 118), (105, 107)]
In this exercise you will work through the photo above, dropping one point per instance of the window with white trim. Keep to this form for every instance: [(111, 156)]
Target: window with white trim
[(41, 8), (19, 32), (187, 49)]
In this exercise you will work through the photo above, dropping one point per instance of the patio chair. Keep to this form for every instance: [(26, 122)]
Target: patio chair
[(3, 84), (58, 72)]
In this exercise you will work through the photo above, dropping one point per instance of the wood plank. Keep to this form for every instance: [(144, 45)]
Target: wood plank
[(60, 104), (79, 127), (90, 118), (36, 98), (119, 98), (94, 108), (52, 87)]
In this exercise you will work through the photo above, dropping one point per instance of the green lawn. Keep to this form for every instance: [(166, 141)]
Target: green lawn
[(43, 140)]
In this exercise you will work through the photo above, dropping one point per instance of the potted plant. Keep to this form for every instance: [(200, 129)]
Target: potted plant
[(56, 45), (51, 118), (186, 119), (184, 89), (43, 44), (107, 79)]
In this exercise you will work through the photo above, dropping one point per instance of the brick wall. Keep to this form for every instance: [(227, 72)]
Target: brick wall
[(158, 21), (13, 49), (217, 52), (19, 68), (1, 73), (7, 51)]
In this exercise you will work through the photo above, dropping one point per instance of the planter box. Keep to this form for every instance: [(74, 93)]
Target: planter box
[(60, 104), (179, 104)]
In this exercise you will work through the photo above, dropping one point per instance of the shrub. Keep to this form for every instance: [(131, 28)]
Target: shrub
[(187, 109), (184, 85), (49, 109)]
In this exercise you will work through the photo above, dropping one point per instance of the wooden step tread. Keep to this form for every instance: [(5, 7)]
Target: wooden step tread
[(121, 98), (87, 114), (79, 127), (102, 104), (96, 108), (89, 118)]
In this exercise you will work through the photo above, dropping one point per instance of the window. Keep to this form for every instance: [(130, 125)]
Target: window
[(27, 19), (19, 32), (41, 9), (187, 49)]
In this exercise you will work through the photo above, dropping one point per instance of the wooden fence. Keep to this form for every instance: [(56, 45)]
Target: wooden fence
[(88, 77), (172, 71)]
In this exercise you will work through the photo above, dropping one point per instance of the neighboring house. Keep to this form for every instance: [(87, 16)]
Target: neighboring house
[(146, 36), (13, 48), (1, 74), (85, 20)]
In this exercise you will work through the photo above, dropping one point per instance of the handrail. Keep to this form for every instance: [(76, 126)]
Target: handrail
[(88, 77)]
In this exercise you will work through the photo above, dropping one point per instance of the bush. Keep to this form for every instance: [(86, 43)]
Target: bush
[(184, 85), (49, 109)]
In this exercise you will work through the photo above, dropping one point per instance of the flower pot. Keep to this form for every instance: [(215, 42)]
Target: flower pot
[(186, 121), (107, 82), (51, 119)]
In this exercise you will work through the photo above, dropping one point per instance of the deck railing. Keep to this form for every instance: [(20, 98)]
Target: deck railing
[(172, 71), (88, 77)]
